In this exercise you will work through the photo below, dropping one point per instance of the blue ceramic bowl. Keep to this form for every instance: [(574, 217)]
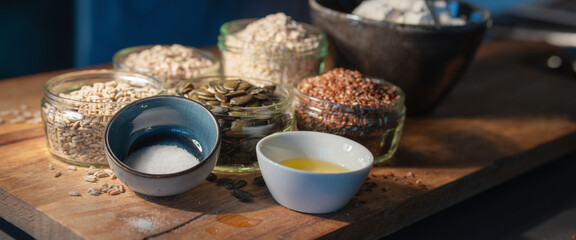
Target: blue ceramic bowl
[(150, 144)]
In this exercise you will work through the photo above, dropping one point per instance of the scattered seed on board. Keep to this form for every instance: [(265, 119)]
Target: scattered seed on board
[(259, 181), (94, 192), (236, 184), (75, 194), (102, 175), (114, 192), (57, 174), (243, 196), (90, 178), (223, 181), (73, 168), (212, 177), (91, 170), (50, 167)]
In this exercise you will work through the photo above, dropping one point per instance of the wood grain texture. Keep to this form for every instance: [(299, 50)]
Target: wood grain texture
[(506, 117)]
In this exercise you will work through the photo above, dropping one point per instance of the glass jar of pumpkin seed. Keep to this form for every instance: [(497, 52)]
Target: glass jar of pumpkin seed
[(247, 109)]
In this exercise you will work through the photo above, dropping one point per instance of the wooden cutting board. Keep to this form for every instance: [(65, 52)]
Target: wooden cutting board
[(507, 116)]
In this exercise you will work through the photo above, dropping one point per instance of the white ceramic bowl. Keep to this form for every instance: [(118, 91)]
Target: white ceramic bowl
[(312, 192), (161, 116)]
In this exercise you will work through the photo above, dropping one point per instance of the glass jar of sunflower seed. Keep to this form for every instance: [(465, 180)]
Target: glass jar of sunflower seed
[(247, 109), (77, 106), (169, 63)]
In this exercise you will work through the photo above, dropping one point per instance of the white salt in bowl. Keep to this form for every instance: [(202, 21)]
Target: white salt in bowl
[(307, 191), (162, 146)]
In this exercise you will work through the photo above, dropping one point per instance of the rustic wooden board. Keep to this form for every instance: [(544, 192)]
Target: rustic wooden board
[(506, 117)]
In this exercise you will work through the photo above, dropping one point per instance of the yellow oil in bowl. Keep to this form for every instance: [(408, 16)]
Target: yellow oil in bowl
[(314, 165)]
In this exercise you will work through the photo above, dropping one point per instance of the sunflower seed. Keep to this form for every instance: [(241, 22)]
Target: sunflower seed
[(90, 178), (75, 194)]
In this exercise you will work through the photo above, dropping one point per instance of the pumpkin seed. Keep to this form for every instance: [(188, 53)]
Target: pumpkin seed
[(212, 177), (243, 85), (259, 181), (188, 88), (203, 93), (230, 85), (238, 183), (241, 100), (220, 97), (223, 181), (243, 196)]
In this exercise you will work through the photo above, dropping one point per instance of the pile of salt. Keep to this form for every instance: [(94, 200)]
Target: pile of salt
[(161, 159)]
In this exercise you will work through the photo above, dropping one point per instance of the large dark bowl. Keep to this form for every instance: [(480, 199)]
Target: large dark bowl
[(425, 61)]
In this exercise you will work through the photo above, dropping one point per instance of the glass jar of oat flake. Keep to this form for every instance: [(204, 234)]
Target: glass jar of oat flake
[(247, 110), (275, 47), (367, 110), (77, 106)]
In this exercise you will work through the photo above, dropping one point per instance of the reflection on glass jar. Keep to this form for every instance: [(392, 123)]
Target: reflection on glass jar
[(247, 110), (77, 106), (376, 126), (275, 48)]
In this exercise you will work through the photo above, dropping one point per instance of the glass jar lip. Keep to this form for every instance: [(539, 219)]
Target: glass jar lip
[(120, 55), (317, 35), (109, 74), (395, 104), (284, 103)]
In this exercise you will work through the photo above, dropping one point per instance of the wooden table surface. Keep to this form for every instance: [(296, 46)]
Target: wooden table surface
[(508, 115)]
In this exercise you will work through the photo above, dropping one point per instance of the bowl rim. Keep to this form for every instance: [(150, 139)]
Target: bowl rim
[(486, 18), (260, 143), (126, 168)]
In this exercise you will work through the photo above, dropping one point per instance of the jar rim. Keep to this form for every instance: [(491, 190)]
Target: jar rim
[(109, 74), (283, 104), (399, 103), (120, 55), (316, 35)]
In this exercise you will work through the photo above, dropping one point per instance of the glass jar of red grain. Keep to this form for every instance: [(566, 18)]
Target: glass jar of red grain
[(368, 110)]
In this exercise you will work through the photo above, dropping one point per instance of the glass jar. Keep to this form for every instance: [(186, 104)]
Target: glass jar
[(242, 126), (169, 63), (377, 127), (77, 106), (263, 60)]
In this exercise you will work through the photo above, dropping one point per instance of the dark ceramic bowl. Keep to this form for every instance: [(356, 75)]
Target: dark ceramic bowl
[(166, 121), (425, 61)]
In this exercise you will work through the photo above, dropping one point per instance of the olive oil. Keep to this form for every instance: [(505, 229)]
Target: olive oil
[(314, 165)]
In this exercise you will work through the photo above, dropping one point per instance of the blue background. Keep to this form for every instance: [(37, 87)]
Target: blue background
[(38, 36)]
